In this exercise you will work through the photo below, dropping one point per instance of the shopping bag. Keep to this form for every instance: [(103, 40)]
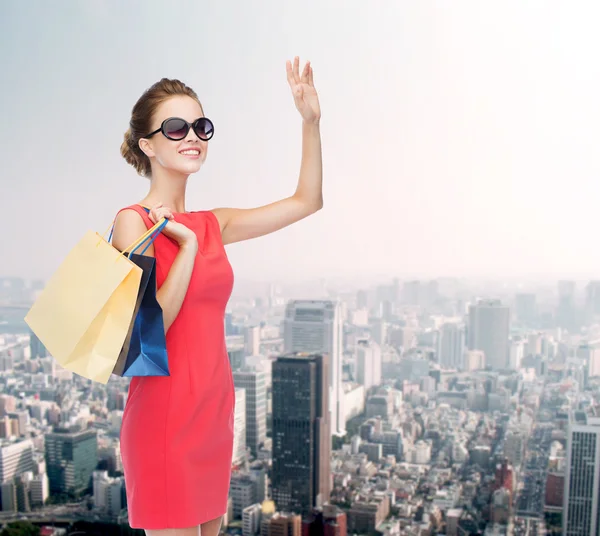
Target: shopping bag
[(144, 352), (147, 354), (84, 312)]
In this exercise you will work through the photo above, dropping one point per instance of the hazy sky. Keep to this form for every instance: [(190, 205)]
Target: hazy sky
[(459, 138)]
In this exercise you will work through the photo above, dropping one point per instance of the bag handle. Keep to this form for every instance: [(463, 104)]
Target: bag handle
[(151, 238), (157, 227), (147, 209)]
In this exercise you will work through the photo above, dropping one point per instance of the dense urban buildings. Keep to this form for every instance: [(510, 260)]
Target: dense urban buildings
[(407, 407)]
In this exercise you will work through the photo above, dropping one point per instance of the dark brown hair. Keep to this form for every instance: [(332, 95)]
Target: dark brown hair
[(141, 120)]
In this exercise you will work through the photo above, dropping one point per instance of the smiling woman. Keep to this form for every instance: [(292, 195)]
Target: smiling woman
[(177, 430), (166, 95)]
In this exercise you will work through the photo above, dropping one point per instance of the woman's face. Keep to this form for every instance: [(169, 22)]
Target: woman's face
[(184, 156)]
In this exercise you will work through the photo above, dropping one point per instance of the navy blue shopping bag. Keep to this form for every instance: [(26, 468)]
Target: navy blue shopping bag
[(144, 352)]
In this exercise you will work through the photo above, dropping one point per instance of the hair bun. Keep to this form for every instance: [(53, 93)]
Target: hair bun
[(130, 154)]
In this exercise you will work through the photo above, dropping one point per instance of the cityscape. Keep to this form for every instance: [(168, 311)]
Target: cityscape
[(420, 358), (413, 407)]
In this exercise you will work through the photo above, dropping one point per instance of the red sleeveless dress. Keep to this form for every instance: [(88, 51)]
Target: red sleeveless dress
[(177, 430)]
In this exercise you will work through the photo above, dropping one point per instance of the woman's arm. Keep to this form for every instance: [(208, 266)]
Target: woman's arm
[(129, 226), (239, 224), (242, 224)]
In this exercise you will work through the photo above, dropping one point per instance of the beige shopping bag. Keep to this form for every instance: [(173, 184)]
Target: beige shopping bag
[(83, 314)]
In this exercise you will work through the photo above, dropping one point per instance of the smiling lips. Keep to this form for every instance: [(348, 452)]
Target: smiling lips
[(190, 153)]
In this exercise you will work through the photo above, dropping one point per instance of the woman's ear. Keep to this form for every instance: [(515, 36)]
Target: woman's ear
[(146, 147)]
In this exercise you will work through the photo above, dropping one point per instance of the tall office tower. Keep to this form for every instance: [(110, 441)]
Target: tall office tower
[(592, 300), (301, 436), (368, 364), (581, 512), (489, 325), (252, 340), (525, 308), (317, 327), (566, 314), (255, 384), (451, 346), (71, 459)]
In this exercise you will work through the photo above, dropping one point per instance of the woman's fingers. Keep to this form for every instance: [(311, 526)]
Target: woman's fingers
[(164, 213), (159, 211)]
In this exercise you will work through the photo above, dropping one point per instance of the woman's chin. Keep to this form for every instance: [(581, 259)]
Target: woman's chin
[(188, 168)]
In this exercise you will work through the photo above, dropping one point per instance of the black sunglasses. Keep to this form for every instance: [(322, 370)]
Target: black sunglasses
[(176, 128)]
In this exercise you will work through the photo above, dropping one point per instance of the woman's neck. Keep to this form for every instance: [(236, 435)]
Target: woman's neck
[(168, 190)]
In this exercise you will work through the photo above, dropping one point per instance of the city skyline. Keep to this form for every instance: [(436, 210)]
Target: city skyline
[(430, 421), (422, 355)]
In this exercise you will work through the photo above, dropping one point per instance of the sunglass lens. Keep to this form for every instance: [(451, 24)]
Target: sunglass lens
[(204, 128), (176, 129)]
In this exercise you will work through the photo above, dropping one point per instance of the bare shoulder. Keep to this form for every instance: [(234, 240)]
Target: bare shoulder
[(129, 226), (222, 215)]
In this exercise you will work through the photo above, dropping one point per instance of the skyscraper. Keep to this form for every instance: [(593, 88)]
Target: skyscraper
[(489, 326), (581, 513), (566, 313), (368, 364), (255, 384), (592, 300), (316, 327), (301, 435), (451, 346)]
